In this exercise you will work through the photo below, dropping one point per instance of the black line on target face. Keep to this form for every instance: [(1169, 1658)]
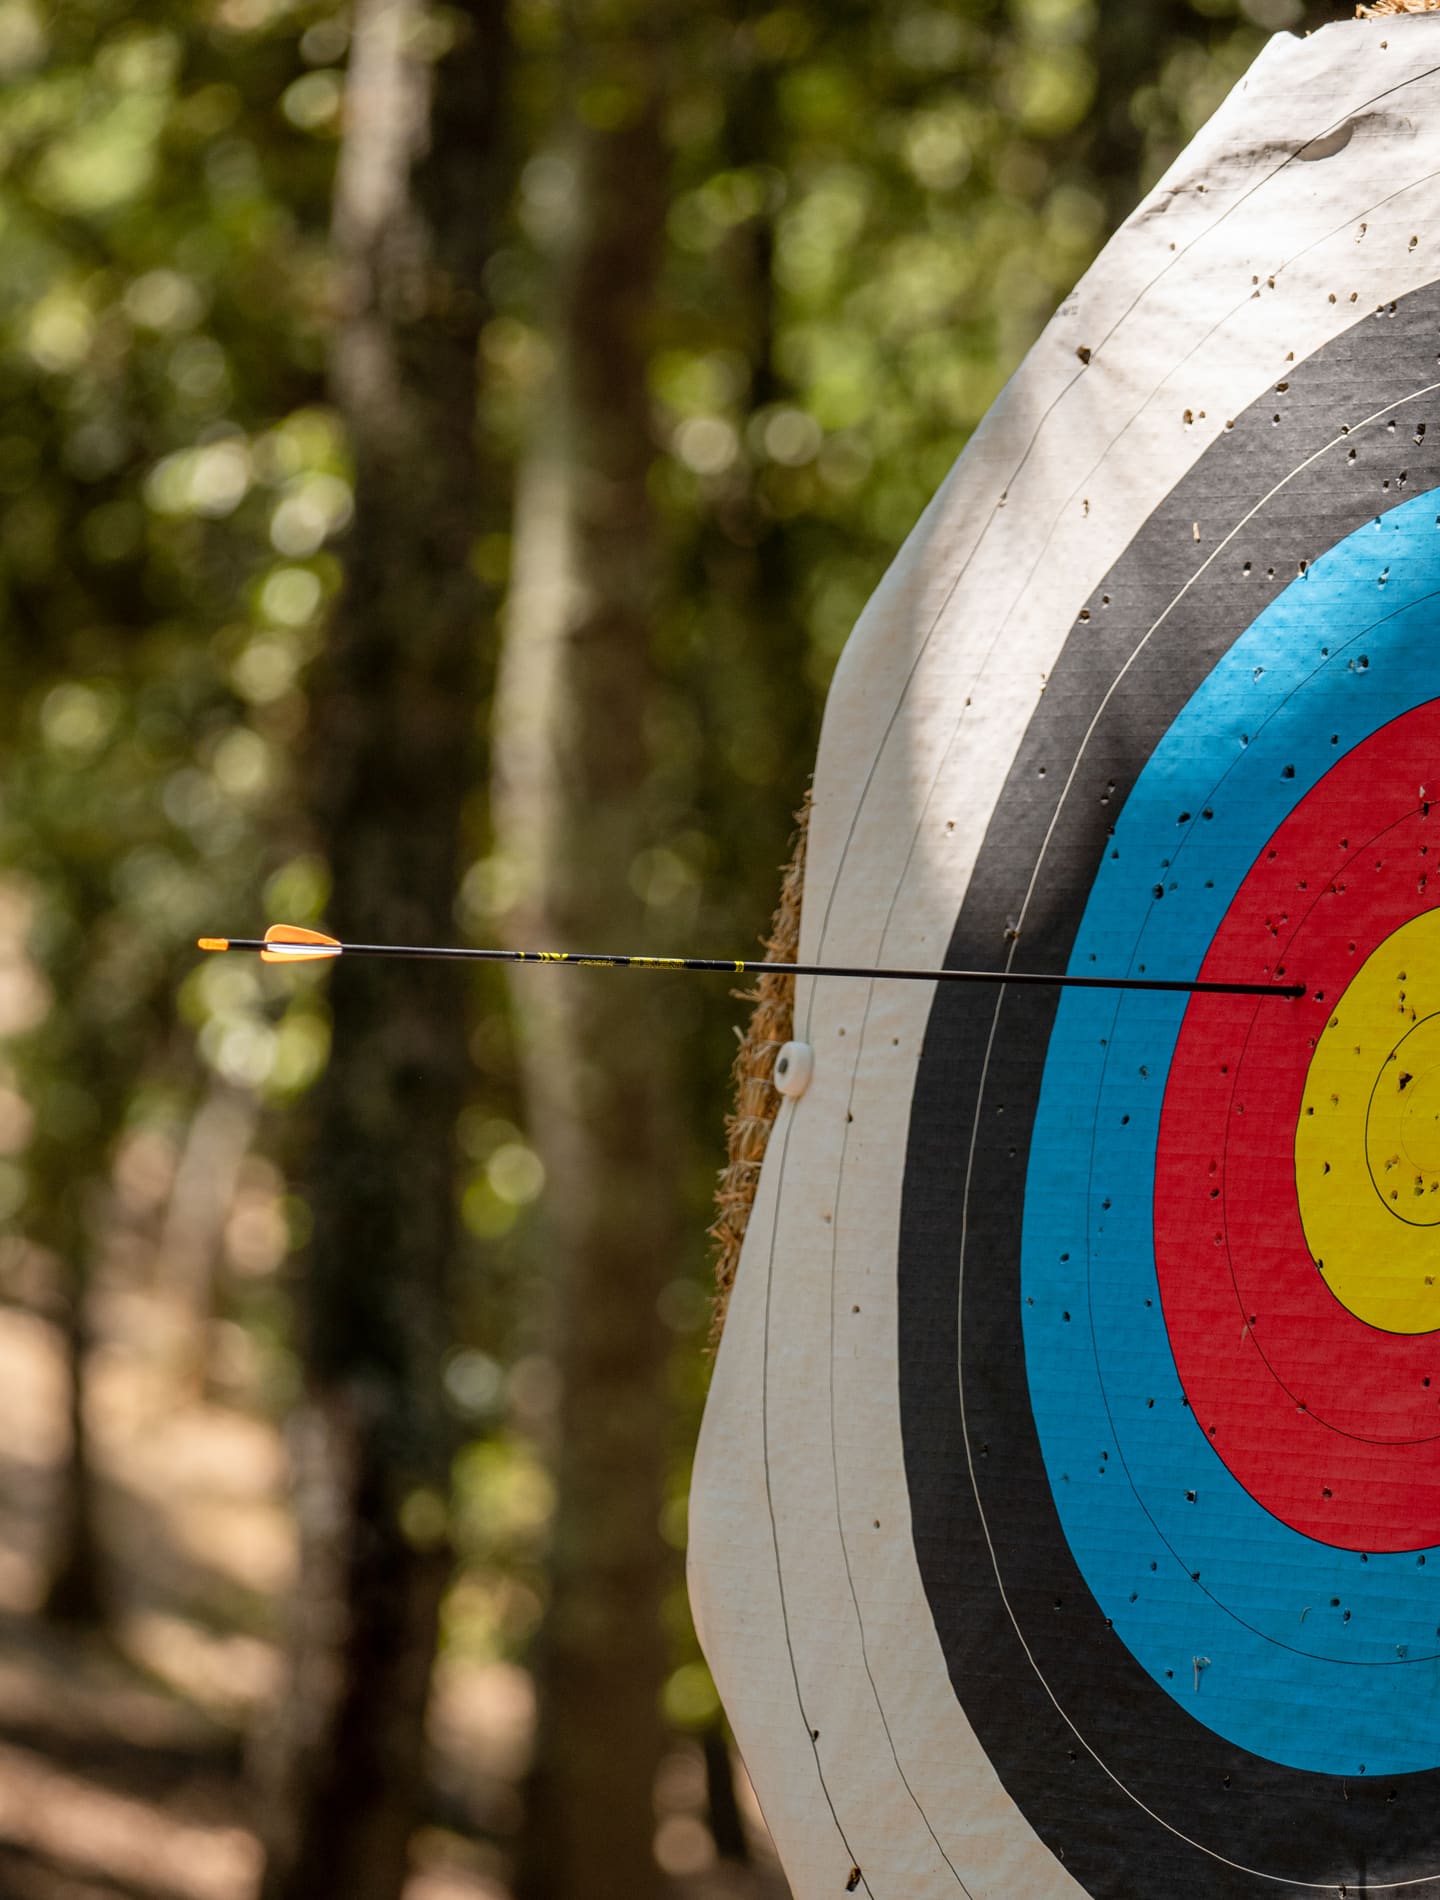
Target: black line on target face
[(812, 1735), (1133, 1794)]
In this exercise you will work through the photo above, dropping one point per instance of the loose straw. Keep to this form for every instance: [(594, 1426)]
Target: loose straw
[(757, 1101)]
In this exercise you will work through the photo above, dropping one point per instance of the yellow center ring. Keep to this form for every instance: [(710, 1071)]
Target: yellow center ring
[(1367, 1144)]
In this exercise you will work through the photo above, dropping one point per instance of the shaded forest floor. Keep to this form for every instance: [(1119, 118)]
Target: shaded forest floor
[(123, 1757)]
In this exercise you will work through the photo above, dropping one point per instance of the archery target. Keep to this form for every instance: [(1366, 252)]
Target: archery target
[(1069, 1508), (1243, 1470)]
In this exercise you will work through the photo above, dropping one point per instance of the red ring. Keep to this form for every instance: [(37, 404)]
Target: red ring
[(1330, 1424)]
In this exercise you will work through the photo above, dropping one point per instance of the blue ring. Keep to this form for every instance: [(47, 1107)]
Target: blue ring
[(1283, 1671)]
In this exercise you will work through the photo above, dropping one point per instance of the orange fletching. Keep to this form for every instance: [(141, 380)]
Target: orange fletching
[(290, 943)]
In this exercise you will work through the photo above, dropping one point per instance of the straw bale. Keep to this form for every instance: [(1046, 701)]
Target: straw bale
[(757, 1101)]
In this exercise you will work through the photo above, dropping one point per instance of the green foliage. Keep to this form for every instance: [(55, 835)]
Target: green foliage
[(169, 481), (873, 209)]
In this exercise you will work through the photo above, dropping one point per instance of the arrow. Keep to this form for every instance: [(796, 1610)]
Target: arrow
[(289, 943)]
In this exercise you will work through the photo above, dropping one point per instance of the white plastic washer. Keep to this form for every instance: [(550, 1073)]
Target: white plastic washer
[(794, 1067)]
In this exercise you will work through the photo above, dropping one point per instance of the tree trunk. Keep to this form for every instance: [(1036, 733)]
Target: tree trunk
[(67, 1212), (576, 682), (75, 1589), (722, 1804), (392, 759), (189, 1250)]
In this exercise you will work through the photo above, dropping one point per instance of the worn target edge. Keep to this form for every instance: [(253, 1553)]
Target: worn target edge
[(816, 1624)]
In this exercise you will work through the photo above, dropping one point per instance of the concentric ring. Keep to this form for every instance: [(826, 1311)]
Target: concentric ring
[(1365, 1143), (1326, 1419)]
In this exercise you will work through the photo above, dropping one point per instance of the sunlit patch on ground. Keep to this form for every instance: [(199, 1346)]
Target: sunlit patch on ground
[(122, 1759)]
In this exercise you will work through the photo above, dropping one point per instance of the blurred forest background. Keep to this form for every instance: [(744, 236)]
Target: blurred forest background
[(442, 451)]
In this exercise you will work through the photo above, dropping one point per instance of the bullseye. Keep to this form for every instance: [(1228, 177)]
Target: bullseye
[(1420, 1120), (1367, 1140)]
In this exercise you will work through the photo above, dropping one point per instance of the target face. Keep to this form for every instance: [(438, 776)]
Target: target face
[(1072, 1474), (1223, 1247)]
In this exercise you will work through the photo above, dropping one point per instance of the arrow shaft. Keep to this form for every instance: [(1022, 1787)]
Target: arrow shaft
[(730, 966)]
